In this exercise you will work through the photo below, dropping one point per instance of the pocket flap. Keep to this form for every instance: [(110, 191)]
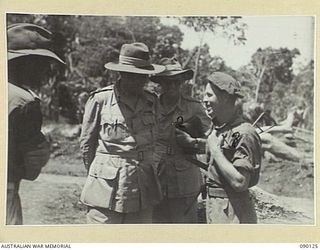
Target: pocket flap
[(112, 119), (183, 164), (148, 119), (105, 168)]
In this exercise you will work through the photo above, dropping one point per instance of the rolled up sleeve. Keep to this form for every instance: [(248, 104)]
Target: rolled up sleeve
[(247, 154)]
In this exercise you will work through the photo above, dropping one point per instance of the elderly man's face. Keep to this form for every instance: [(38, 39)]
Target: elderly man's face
[(133, 82)]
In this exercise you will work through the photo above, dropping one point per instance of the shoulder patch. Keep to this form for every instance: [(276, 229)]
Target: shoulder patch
[(244, 128), (108, 88)]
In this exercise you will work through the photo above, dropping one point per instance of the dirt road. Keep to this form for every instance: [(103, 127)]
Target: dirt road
[(54, 199)]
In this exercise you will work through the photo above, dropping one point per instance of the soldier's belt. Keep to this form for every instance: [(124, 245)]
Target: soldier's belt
[(174, 150), (136, 155), (216, 192)]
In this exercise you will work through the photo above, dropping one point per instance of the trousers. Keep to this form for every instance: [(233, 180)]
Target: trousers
[(13, 209), (231, 210), (97, 215), (177, 210)]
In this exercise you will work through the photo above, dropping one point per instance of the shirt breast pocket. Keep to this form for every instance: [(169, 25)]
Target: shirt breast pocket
[(113, 127), (143, 122), (148, 120), (188, 177)]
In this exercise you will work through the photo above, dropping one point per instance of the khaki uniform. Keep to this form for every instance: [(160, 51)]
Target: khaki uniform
[(242, 147), (180, 179), (117, 142), (25, 120)]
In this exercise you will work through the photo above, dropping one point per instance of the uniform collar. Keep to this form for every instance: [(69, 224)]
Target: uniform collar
[(26, 88), (237, 119), (180, 105), (116, 98), (34, 94)]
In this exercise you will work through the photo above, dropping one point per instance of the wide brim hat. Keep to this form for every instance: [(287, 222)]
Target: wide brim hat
[(173, 68), (227, 83), (25, 39), (12, 54), (135, 58)]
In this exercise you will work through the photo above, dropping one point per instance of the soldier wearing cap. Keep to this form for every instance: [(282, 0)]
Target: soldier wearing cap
[(117, 142), (235, 155), (29, 58), (180, 178)]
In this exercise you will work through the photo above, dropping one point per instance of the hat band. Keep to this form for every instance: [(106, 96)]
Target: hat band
[(137, 62), (173, 68)]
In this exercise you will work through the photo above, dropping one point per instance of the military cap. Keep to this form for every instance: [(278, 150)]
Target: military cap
[(29, 39), (226, 82)]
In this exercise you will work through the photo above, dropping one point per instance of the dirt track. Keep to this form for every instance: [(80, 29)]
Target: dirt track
[(54, 199)]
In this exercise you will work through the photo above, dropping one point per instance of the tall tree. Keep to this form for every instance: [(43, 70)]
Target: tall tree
[(270, 66), (87, 43), (229, 27)]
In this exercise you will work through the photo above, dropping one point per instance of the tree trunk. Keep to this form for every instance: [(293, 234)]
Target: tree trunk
[(132, 35), (189, 59), (197, 64), (258, 83)]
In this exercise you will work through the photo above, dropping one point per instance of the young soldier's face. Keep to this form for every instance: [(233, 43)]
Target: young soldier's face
[(215, 101)]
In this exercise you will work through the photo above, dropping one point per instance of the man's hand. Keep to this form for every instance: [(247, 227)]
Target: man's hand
[(184, 140), (214, 142)]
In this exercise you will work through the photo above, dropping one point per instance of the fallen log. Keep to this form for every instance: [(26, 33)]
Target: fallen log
[(271, 157), (278, 148)]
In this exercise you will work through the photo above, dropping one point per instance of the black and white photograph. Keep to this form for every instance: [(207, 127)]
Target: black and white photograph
[(160, 119)]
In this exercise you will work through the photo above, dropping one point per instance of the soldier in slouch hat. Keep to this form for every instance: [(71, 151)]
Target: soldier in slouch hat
[(29, 58), (180, 178), (117, 142)]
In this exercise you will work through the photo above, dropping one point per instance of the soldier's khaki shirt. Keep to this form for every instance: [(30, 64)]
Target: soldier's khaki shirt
[(179, 177), (242, 147), (24, 125), (117, 142)]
